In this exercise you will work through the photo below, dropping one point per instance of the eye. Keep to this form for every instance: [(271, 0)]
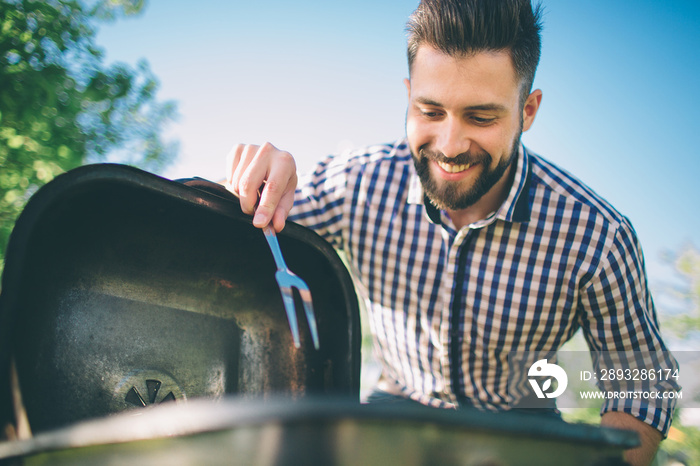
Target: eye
[(482, 121), (430, 114)]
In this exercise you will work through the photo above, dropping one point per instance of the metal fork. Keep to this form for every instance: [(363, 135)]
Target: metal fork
[(286, 280)]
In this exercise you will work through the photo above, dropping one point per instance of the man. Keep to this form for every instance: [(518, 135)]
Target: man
[(467, 246)]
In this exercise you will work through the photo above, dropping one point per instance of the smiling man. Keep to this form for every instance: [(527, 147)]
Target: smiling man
[(466, 246), (464, 124)]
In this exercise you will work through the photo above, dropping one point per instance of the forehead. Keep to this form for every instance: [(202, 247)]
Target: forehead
[(482, 76)]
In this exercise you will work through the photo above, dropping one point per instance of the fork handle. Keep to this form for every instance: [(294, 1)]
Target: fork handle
[(271, 238)]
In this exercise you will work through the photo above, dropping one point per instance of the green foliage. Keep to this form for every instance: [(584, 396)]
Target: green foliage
[(61, 106), (683, 443), (688, 264), (683, 325)]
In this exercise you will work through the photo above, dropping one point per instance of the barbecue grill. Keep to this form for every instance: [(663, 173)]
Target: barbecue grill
[(141, 323)]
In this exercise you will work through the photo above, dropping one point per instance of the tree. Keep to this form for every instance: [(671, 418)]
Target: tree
[(681, 312), (61, 106)]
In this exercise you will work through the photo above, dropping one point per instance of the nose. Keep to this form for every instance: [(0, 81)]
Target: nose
[(452, 139)]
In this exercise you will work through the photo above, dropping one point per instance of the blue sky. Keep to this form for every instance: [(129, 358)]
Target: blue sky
[(620, 81)]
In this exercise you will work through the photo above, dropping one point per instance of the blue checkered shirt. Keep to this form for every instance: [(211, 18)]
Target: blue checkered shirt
[(446, 307)]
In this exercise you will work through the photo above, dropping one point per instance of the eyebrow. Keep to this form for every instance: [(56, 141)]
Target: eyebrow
[(480, 107)]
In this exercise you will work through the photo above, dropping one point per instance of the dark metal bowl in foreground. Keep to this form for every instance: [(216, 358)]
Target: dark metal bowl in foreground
[(325, 432)]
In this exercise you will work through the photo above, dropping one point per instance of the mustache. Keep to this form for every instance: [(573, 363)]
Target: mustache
[(461, 159)]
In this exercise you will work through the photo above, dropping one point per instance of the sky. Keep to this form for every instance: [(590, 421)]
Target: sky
[(620, 82)]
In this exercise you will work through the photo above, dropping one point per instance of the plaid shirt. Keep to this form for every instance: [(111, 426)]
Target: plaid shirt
[(446, 307)]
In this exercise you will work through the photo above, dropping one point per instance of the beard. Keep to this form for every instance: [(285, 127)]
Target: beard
[(452, 196)]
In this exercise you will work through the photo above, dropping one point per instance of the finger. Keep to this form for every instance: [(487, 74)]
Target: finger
[(237, 162), (269, 200), (232, 161), (280, 182), (248, 177), (282, 212)]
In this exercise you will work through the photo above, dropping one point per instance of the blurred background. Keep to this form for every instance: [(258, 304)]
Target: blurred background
[(171, 85), (619, 81)]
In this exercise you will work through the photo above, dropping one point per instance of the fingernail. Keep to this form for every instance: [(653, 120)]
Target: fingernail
[(259, 219)]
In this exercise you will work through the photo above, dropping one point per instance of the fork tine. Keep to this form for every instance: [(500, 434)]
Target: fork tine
[(286, 280), (289, 307), (310, 316)]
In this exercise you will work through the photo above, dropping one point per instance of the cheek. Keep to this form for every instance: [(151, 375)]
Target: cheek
[(493, 139), (417, 133), (410, 125), (498, 139)]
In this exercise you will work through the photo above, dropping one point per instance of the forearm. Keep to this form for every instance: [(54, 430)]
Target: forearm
[(650, 437)]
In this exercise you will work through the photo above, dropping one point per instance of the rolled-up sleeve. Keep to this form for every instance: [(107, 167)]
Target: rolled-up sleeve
[(621, 327)]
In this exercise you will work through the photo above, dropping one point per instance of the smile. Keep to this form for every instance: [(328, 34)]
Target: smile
[(452, 168)]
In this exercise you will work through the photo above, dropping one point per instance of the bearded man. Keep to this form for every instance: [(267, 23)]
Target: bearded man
[(465, 245)]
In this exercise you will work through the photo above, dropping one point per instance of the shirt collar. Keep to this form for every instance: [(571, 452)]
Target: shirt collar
[(516, 207), (417, 197)]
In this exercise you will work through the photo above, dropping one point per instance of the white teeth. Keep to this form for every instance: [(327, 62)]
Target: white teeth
[(450, 168)]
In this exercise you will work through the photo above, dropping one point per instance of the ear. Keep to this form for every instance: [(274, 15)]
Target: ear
[(532, 104), (407, 83)]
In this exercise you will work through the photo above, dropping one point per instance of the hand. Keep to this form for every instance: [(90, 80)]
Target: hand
[(264, 179)]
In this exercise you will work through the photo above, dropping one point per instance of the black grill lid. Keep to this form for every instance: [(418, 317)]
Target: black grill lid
[(124, 289)]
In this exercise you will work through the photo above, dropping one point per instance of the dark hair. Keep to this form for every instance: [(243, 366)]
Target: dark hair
[(464, 27)]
